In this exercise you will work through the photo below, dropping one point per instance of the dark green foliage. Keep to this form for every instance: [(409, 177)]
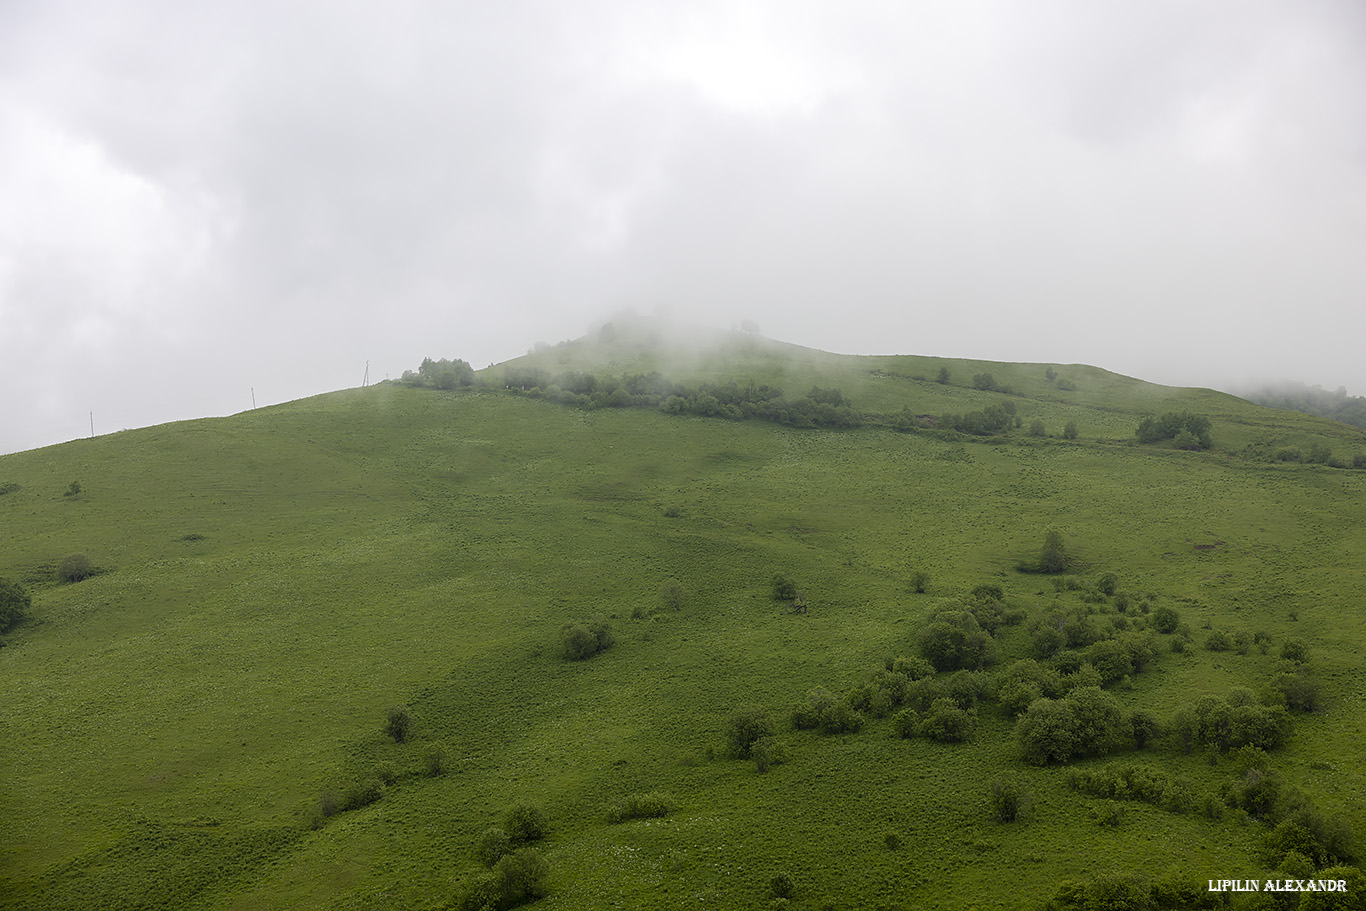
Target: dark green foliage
[(991, 420), (1111, 893), (1036, 428), (8, 487), (1227, 724), (987, 383), (746, 725), (1107, 584), (492, 845), (947, 723), (397, 721), (784, 589), (782, 886), (442, 374), (1297, 690), (1069, 430), (942, 378), (1053, 557), (525, 822), (1218, 641), (1111, 660), (652, 805), (767, 752), (672, 511), (14, 604), (1165, 619), (436, 761), (1294, 650), (1144, 727), (362, 794), (516, 879), (1351, 898), (73, 490), (1170, 425), (1008, 799), (1087, 722), (672, 595), (75, 567), (1130, 781), (920, 580), (584, 640), (953, 640)]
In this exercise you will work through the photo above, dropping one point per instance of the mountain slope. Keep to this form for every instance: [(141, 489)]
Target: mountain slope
[(271, 582)]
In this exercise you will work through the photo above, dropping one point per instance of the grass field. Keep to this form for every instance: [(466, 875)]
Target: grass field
[(271, 582)]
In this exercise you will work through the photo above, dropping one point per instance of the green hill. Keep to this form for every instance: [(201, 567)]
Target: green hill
[(268, 585)]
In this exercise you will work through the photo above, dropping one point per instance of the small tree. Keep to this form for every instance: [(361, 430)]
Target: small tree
[(1069, 430), (492, 846), (747, 725), (673, 594), (75, 567), (1053, 559), (14, 604), (73, 490), (525, 822), (1008, 798), (920, 580), (943, 377), (784, 589), (397, 721)]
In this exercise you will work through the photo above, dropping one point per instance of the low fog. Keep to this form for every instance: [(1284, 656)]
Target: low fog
[(203, 203)]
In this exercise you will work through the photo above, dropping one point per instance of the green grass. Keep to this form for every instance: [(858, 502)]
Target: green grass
[(171, 724)]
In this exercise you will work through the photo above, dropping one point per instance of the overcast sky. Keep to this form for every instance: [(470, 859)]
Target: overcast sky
[(199, 199)]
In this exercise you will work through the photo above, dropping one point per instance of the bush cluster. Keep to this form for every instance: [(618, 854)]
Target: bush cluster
[(14, 604), (1188, 431), (817, 408), (650, 805), (584, 640), (1130, 781)]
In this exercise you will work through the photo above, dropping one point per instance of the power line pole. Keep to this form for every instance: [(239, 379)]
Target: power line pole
[(253, 398), (92, 425), (366, 381)]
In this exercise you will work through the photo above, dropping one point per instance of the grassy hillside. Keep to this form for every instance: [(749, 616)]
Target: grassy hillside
[(271, 583)]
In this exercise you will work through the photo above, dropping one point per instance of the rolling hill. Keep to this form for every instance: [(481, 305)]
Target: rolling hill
[(200, 723)]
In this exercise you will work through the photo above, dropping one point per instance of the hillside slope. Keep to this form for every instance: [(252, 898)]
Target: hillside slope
[(270, 583)]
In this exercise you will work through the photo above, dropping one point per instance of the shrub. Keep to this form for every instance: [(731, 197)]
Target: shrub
[(1008, 799), (747, 724), (1036, 428), (672, 511), (8, 487), (492, 845), (397, 721), (782, 886), (436, 761), (73, 490), (75, 567), (652, 805), (784, 589), (525, 822), (920, 580), (1166, 619), (948, 723), (1069, 430), (1218, 641), (1107, 584), (579, 641), (953, 640), (672, 595), (14, 604), (1294, 650), (363, 793), (516, 879), (767, 752)]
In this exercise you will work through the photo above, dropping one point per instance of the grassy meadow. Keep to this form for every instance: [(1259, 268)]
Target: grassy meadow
[(269, 584)]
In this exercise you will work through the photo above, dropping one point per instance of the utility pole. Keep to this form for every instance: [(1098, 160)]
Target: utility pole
[(366, 381), (253, 398), (92, 425)]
